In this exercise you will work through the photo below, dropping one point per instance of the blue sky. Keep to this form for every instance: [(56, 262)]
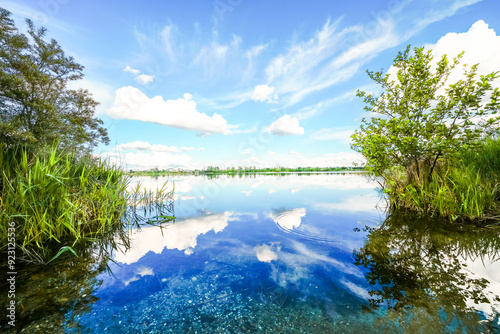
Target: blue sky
[(248, 83)]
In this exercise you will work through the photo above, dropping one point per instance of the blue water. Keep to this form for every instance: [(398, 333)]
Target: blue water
[(309, 253), (266, 253)]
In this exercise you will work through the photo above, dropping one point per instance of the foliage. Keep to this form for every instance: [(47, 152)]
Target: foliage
[(417, 122), (420, 271), (36, 106), (57, 200), (468, 187)]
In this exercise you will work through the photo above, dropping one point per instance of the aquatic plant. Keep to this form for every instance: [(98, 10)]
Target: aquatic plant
[(57, 199), (466, 187)]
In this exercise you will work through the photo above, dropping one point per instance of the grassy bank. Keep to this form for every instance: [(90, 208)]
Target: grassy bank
[(56, 199), (466, 187)]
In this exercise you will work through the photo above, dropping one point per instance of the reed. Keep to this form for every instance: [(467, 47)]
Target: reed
[(57, 199), (466, 188)]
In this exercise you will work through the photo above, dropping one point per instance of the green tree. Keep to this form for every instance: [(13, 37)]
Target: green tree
[(418, 119), (36, 105)]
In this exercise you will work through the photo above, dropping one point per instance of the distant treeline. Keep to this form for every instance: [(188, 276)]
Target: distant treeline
[(232, 170)]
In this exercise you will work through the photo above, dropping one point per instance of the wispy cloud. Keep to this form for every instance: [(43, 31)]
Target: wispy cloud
[(140, 78), (145, 146), (340, 133), (45, 14), (334, 54)]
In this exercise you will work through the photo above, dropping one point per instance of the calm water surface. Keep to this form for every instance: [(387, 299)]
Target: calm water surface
[(312, 253)]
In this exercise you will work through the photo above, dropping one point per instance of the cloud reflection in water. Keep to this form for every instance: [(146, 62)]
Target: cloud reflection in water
[(181, 235)]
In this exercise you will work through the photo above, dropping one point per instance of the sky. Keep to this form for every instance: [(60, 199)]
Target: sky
[(191, 84)]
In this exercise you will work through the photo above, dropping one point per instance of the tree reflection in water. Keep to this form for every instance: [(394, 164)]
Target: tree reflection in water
[(50, 298), (418, 269)]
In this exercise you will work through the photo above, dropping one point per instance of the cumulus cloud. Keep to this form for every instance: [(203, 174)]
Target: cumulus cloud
[(264, 93), (286, 125), (131, 103), (144, 78), (480, 43)]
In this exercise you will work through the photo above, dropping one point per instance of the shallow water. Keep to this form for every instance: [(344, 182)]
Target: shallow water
[(312, 253)]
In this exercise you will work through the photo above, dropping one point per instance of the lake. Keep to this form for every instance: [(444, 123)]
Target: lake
[(294, 253)]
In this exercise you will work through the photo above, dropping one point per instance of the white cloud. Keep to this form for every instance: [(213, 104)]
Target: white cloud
[(255, 51), (293, 153), (286, 125), (140, 78), (480, 43), (246, 192), (131, 103), (145, 146), (184, 148), (247, 151), (131, 70), (166, 36), (201, 149), (144, 78), (212, 58), (338, 159), (341, 134), (147, 160), (263, 93), (334, 55), (46, 17), (271, 152), (310, 111)]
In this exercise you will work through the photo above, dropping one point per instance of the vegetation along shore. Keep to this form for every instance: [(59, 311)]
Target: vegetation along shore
[(434, 144), (54, 193)]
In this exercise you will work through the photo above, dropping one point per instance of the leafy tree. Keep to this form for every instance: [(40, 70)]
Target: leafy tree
[(36, 106), (417, 120)]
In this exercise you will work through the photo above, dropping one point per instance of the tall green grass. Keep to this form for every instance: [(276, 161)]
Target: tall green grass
[(466, 187), (58, 199)]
